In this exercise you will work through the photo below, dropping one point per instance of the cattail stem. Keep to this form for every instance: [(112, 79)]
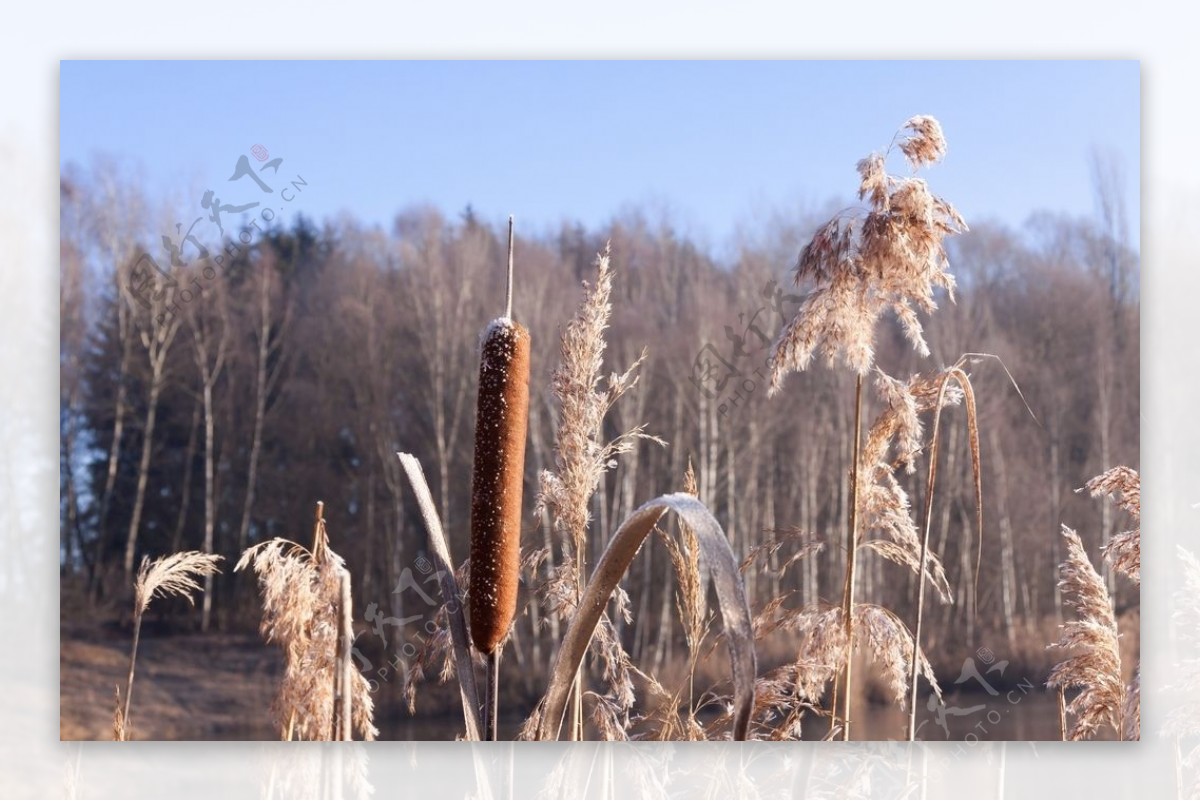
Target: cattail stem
[(492, 696), (851, 560)]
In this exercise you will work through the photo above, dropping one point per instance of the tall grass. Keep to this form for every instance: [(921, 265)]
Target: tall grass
[(889, 257), (175, 575), (1093, 666), (305, 607)]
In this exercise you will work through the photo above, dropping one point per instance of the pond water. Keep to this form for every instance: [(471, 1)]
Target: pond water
[(1014, 714)]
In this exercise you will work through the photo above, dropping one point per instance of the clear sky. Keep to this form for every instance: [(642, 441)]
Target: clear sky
[(716, 143)]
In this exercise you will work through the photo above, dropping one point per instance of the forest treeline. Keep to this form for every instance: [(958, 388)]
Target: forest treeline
[(215, 414)]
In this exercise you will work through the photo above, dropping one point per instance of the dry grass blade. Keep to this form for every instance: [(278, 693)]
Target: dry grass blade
[(1094, 668), (451, 598), (624, 545)]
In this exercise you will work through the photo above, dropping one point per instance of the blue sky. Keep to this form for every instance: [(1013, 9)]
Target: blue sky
[(718, 144)]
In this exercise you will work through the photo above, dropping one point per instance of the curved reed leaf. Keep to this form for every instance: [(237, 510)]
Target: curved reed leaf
[(722, 566)]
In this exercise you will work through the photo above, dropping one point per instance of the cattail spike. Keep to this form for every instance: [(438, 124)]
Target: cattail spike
[(502, 416)]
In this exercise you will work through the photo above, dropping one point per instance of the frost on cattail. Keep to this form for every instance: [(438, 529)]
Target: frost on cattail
[(301, 592), (1124, 551), (1094, 666), (502, 418), (891, 257)]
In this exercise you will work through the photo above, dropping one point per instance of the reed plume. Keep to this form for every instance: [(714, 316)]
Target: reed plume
[(1124, 554), (177, 575), (1124, 551), (302, 612), (891, 257), (581, 458), (1094, 666)]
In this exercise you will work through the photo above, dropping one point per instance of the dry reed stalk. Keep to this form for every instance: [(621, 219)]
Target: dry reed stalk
[(1092, 638), (498, 478), (302, 612), (582, 457), (174, 575), (893, 257), (959, 376), (851, 562)]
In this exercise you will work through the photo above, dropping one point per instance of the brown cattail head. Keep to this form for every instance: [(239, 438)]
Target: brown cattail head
[(502, 415)]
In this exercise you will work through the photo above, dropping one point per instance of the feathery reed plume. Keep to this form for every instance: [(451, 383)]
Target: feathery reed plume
[(893, 257), (301, 591), (1124, 551), (172, 575), (581, 457), (1094, 668), (502, 418)]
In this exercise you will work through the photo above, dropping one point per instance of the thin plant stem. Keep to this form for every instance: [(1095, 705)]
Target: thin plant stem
[(347, 646), (508, 293), (851, 559), (137, 630), (1062, 714), (492, 696), (929, 485)]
